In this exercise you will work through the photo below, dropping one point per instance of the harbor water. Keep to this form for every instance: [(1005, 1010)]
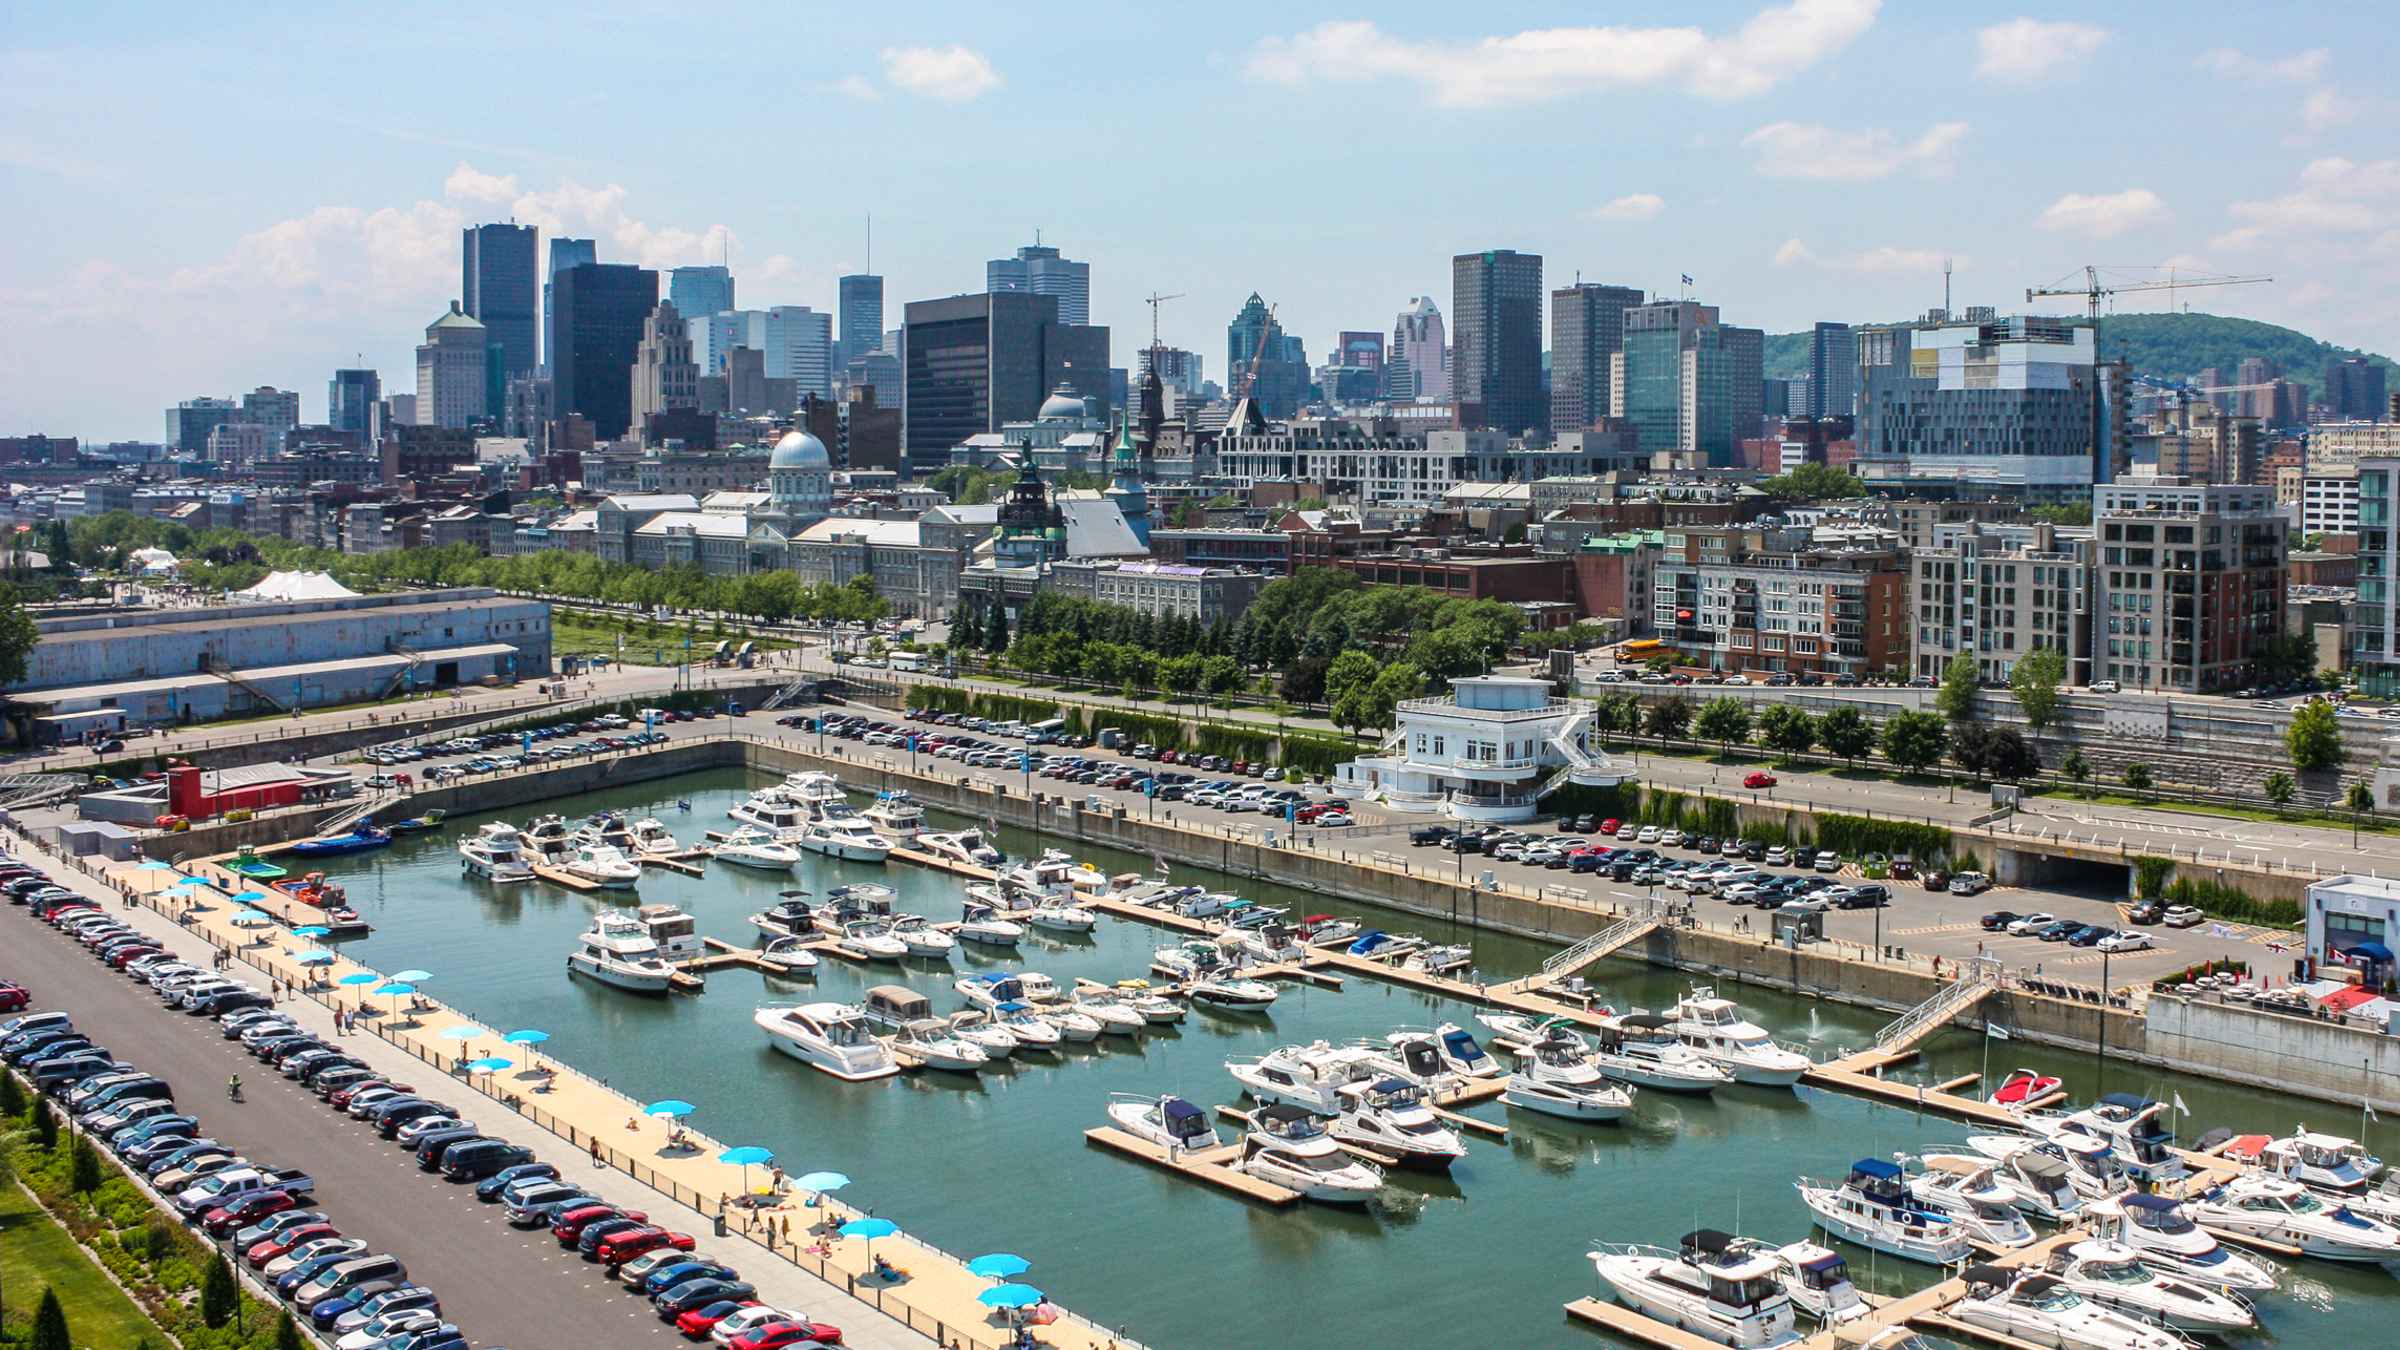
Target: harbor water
[(1485, 1255)]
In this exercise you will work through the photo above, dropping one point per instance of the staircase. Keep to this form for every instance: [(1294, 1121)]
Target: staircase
[(786, 694), (402, 678), (26, 791), (1607, 942), (1981, 975), (223, 670), (361, 810)]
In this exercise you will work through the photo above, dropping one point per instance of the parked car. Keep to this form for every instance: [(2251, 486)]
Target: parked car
[(2025, 925), (1970, 883), (1758, 778), (2125, 941), (2146, 912), (2090, 934), (2182, 916), (1999, 919)]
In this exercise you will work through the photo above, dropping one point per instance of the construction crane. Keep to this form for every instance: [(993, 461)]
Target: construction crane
[(1154, 300), (1257, 357)]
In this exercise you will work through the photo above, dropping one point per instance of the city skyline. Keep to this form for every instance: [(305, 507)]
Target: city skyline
[(1802, 161)]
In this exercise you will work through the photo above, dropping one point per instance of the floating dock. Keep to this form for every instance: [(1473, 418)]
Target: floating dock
[(674, 862), (1636, 1326), (1208, 1166), (569, 880)]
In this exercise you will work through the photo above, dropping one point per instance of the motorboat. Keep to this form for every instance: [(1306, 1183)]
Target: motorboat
[(1461, 1055), (1377, 945), (1643, 1049), (1116, 1016), (548, 840), (2028, 1307), (1970, 1193), (813, 791), (931, 1041), (608, 828), (1027, 1027), (831, 1037), (359, 840), (603, 866), (754, 848), (2156, 1229), (617, 950), (651, 836), (1415, 1056), (1288, 1147), (424, 824), (2322, 1162), (1447, 959), (1311, 1077), (982, 924), (870, 940), (1039, 988), (1073, 1023), (1189, 960), (1055, 872), (961, 846), (313, 889), (2091, 1164), (1249, 914), (896, 815), (788, 918), (1269, 942), (846, 837), (2023, 1088), (988, 991), (1817, 1280), (1058, 916), (2133, 1127), (921, 937), (677, 936), (1231, 993), (1713, 1288), (788, 956), (1715, 1028), (495, 853), (1872, 1208), (2114, 1275), (861, 900), (977, 1028), (247, 863), (1169, 1122), (1389, 1116), (2035, 1179), (1155, 1008), (783, 821), (1193, 902), (1324, 930), (2275, 1210), (1555, 1076), (1516, 1032)]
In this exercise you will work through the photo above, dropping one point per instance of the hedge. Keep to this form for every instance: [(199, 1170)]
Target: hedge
[(2211, 897), (2150, 873), (1856, 837)]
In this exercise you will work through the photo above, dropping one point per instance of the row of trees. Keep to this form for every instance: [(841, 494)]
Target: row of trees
[(1912, 741)]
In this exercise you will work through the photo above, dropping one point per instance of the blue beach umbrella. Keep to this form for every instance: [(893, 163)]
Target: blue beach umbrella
[(461, 1032), (413, 975), (746, 1157), (156, 865), (394, 990), (491, 1064), (670, 1108), (246, 897), (1010, 1296), (527, 1037), (314, 930), (251, 918), (822, 1182), (999, 1265), (360, 977), (870, 1229), (192, 881)]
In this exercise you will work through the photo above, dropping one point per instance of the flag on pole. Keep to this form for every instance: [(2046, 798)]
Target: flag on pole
[(1687, 278), (2370, 1107), (2180, 1108), (1995, 1031)]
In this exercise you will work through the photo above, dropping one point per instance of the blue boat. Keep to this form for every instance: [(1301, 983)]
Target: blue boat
[(360, 840)]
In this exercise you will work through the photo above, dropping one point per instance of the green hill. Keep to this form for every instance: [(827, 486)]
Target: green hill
[(2174, 346)]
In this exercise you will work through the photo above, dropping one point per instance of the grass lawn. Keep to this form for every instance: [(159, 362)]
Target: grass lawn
[(2367, 824), (35, 1251)]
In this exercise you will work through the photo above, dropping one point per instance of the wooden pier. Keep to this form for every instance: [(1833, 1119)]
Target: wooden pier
[(297, 913), (1207, 1166), (674, 862), (1620, 1320), (569, 880)]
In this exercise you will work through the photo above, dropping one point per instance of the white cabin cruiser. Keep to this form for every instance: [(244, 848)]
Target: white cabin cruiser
[(1189, 960), (1311, 1077), (788, 956), (677, 936), (1072, 1022), (1060, 917), (932, 1041), (921, 937), (2133, 1127), (1732, 1297), (650, 835), (1288, 1147), (832, 1037), (1643, 1049), (2027, 1306), (2035, 1180), (1116, 1016), (977, 1028), (2157, 1230), (847, 837), (1517, 1032), (788, 918), (754, 848), (1267, 942), (1169, 1122), (1872, 1208), (1555, 1076), (982, 924), (1446, 959), (1054, 873), (1970, 1193), (2323, 1162), (896, 815), (871, 940), (782, 821), (1031, 1030), (961, 846), (1454, 1048), (2091, 1164), (617, 950), (1817, 1280), (603, 866), (496, 853), (1231, 993), (2115, 1276), (547, 840), (1715, 1028), (1389, 1116), (2282, 1211), (988, 991), (812, 791)]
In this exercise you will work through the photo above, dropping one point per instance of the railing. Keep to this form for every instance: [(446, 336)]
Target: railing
[(786, 694), (1451, 706), (1975, 974), (1618, 933)]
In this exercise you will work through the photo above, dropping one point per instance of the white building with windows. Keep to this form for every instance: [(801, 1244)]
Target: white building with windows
[(1488, 751)]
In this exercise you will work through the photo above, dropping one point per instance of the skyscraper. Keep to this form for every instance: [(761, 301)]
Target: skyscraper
[(1282, 362), (1746, 379), (973, 362), (189, 422), (495, 286), (700, 291), (861, 296), (451, 371), (1496, 359), (798, 342), (1039, 268), (1672, 380), (2354, 390), (597, 314), (664, 375), (1832, 371), (1587, 327), (1176, 368), (351, 402), (278, 410), (1418, 364), (564, 253), (2001, 402)]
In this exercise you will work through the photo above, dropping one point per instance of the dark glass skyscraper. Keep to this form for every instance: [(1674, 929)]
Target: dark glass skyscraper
[(1587, 327), (564, 253), (701, 291), (1832, 371), (1496, 339), (351, 400), (597, 311), (861, 316), (496, 281), (974, 362)]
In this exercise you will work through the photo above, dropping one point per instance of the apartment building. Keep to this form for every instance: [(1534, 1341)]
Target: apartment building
[(2000, 591), (2189, 583), (1771, 601)]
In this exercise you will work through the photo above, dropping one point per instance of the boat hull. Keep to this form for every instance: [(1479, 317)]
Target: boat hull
[(1550, 1100), (1637, 1293), (756, 863), (497, 873), (631, 981), (825, 1064)]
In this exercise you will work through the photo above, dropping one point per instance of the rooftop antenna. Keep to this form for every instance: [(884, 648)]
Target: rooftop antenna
[(1945, 285)]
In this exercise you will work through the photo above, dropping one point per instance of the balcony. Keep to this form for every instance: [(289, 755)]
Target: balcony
[(1448, 705)]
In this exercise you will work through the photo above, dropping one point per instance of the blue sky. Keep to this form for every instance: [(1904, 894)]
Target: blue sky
[(210, 198)]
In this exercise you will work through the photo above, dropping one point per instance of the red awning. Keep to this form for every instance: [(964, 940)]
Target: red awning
[(2343, 1000)]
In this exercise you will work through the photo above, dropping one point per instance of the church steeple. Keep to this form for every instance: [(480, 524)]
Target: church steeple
[(1125, 485)]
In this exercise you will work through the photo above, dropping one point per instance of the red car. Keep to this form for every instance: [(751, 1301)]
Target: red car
[(781, 1334), (1759, 778), (702, 1320), (618, 1248), (568, 1227), (246, 1211), (136, 952), (261, 1253), (13, 998)]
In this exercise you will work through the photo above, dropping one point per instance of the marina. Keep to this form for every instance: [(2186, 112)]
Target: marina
[(1514, 1213)]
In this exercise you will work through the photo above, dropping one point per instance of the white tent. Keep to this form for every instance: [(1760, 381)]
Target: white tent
[(297, 586), (154, 561)]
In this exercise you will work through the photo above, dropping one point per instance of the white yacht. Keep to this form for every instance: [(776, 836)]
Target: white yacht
[(2091, 1164), (961, 846), (2036, 1309), (1732, 1297), (1970, 1193), (1643, 1049), (1268, 942), (1288, 1147), (1817, 1280), (1445, 959), (2034, 1178), (2115, 1276), (982, 924), (603, 866), (2276, 1210), (1030, 1029), (1188, 960), (1311, 1077), (783, 821), (988, 991), (1555, 1076), (1169, 1122), (1415, 1056), (896, 815), (788, 918), (1116, 1016), (788, 956), (1871, 1207), (2323, 1162), (617, 950), (814, 790), (1716, 1028), (755, 848), (496, 853), (933, 1042), (1054, 873), (1060, 916), (677, 936), (1388, 1116), (847, 837), (1231, 993), (922, 938), (547, 840), (1156, 1008), (1461, 1055), (977, 1028), (650, 835), (1191, 902), (832, 1037), (2157, 1230), (1515, 1032), (871, 940), (2133, 1127), (1073, 1023)]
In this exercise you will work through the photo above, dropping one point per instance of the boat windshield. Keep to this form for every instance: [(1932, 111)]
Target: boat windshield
[(2056, 1299), (2117, 1272), (2158, 1218), (1828, 1272), (1741, 1293)]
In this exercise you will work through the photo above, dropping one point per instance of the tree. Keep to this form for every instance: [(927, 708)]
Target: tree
[(1304, 680), (1222, 675), (17, 635), (12, 1097), (1393, 684), (2035, 680), (1618, 714), (1787, 730), (218, 1296), (1183, 675), (2136, 778), (2314, 739), (1846, 732), (1971, 748), (287, 1333), (2008, 757), (50, 1324), (1668, 717), (1724, 719), (2076, 769), (2360, 799), (1814, 482), (1914, 740), (83, 1166), (2280, 789), (1348, 683), (1960, 681), (45, 1126)]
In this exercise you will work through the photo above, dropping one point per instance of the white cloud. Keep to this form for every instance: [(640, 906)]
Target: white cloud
[(2026, 50), (2335, 195), (1802, 150), (2298, 68), (1883, 259), (468, 183), (2235, 240), (1632, 206), (857, 86), (2326, 109), (2103, 216), (1546, 63), (953, 74)]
